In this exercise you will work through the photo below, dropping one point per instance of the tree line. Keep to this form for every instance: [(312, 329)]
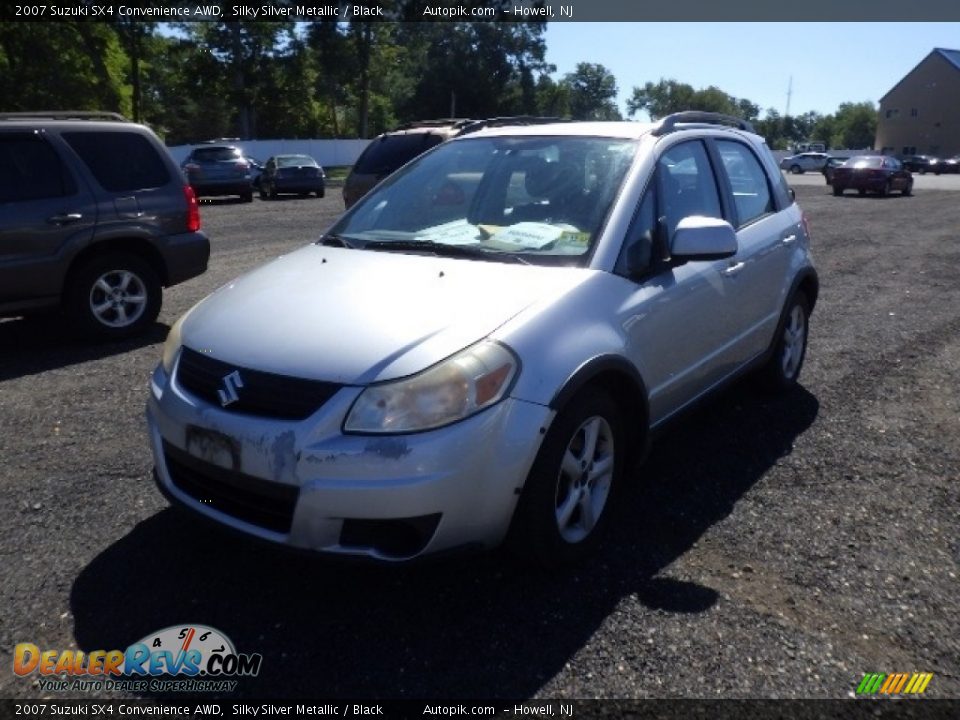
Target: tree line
[(193, 81)]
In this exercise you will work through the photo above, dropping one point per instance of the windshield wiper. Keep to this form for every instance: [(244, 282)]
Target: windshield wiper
[(443, 249), (334, 240)]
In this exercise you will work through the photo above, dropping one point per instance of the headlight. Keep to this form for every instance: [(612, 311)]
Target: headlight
[(457, 388), (172, 345)]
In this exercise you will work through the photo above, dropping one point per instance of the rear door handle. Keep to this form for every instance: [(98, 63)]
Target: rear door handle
[(734, 269), (65, 218), (787, 239)]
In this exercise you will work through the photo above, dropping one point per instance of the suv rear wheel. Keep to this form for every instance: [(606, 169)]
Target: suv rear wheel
[(561, 512), (113, 296)]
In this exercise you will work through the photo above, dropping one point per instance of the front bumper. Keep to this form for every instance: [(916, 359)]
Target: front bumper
[(307, 485)]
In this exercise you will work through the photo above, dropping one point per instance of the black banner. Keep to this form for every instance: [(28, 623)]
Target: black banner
[(487, 11), (191, 707)]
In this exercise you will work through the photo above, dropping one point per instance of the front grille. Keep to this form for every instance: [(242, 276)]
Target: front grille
[(261, 393), (259, 502)]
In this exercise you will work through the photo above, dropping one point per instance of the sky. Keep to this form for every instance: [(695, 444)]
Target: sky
[(830, 63)]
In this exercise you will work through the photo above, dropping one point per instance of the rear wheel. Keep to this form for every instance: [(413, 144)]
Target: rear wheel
[(113, 296), (861, 191), (838, 190), (565, 503), (246, 197), (796, 169), (885, 190), (782, 370), (908, 188)]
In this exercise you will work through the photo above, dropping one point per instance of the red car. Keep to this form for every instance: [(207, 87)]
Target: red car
[(874, 173)]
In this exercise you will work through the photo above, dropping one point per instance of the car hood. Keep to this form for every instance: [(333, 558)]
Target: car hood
[(355, 316)]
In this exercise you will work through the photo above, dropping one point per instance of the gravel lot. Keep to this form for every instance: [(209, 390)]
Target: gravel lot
[(770, 548)]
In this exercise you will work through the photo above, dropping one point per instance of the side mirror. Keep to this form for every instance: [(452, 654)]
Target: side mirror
[(703, 238)]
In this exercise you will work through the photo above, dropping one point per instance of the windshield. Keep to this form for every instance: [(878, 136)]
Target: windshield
[(540, 197), (295, 160), (216, 154), (866, 161)]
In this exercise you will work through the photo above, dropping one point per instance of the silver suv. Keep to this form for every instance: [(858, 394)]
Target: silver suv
[(481, 347)]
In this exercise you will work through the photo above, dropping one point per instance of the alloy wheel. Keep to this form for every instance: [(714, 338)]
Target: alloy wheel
[(584, 480)]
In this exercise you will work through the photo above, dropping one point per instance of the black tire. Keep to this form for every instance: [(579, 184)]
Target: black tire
[(796, 169), (885, 190), (537, 534), (321, 192), (246, 197), (121, 314), (781, 372), (838, 190), (263, 194), (861, 191), (908, 188)]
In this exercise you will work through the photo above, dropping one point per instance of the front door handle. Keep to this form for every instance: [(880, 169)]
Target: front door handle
[(65, 218), (734, 269), (787, 239)]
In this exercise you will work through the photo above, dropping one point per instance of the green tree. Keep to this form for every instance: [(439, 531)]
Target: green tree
[(592, 93), (855, 125)]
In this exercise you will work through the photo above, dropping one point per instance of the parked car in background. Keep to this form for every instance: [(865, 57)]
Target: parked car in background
[(291, 174), (919, 163), (797, 164), (214, 170), (524, 306), (949, 165), (831, 164), (872, 173), (391, 150), (95, 219)]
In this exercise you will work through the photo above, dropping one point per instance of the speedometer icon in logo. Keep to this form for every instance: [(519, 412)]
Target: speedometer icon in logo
[(189, 650)]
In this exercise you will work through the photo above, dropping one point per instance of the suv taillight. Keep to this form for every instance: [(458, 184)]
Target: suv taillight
[(193, 209)]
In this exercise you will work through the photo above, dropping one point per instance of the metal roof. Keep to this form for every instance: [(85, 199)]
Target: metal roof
[(951, 56)]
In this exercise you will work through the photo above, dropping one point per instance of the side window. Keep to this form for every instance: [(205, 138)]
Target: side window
[(636, 255), (751, 190), (120, 161), (687, 184), (31, 170)]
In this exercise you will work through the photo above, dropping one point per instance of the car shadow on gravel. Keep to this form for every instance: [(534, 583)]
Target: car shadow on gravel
[(29, 346), (475, 626)]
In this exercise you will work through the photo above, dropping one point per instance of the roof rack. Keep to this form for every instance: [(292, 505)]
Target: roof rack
[(440, 122), (697, 117), (511, 120), (64, 115)]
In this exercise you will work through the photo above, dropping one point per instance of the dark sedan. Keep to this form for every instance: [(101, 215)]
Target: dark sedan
[(872, 173), (919, 163), (291, 174)]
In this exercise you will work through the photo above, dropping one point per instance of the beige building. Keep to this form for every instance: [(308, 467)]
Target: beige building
[(921, 114)]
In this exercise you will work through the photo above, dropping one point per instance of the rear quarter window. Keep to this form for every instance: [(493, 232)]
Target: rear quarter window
[(120, 161), (385, 155)]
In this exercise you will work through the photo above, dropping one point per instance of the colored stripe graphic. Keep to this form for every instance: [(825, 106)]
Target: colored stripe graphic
[(894, 684)]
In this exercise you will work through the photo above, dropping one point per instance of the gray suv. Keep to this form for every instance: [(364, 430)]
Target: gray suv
[(479, 349), (95, 218)]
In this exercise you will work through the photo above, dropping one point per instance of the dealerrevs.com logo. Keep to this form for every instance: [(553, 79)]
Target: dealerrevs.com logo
[(200, 658)]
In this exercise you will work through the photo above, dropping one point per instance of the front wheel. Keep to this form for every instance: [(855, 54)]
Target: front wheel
[(783, 369), (838, 190), (113, 296), (796, 169), (565, 503), (908, 188)]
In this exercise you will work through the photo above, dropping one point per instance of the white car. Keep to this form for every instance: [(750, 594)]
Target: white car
[(479, 349), (798, 164)]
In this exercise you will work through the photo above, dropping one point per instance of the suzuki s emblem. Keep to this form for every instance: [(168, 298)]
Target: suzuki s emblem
[(231, 383)]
